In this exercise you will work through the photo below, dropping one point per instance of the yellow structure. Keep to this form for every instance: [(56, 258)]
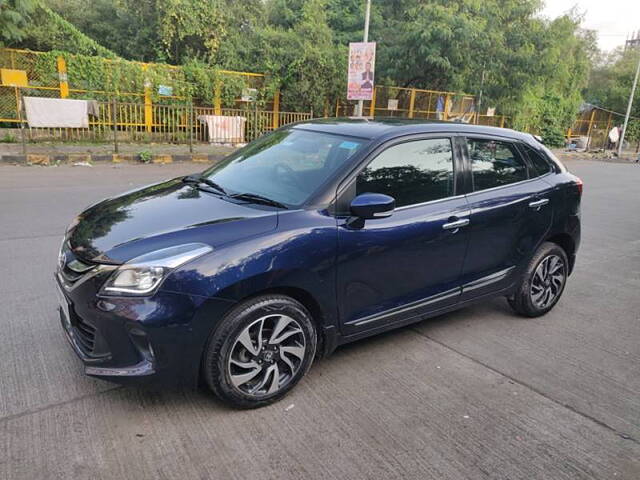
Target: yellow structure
[(134, 113), (21, 69), (13, 78), (62, 75)]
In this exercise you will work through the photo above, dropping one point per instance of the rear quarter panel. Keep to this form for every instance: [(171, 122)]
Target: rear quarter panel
[(566, 198)]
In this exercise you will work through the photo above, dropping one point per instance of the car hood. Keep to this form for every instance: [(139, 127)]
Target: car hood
[(159, 216)]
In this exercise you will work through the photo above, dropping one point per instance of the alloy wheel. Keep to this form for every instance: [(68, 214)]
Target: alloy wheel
[(547, 281), (266, 355)]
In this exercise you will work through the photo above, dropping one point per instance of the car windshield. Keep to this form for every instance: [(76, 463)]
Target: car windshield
[(286, 166)]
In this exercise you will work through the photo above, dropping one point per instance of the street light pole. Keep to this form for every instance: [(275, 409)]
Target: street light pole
[(365, 39), (626, 117)]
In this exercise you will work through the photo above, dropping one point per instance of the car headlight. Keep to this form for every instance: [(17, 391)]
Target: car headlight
[(144, 274)]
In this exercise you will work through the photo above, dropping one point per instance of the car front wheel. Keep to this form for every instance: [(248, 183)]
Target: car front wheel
[(260, 351), (542, 283)]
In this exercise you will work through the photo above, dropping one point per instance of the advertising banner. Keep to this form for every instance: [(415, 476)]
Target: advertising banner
[(362, 61)]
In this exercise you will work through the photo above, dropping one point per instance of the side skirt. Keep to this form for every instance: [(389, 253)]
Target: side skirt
[(417, 318)]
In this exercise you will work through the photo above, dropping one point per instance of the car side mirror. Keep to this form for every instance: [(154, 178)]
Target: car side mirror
[(372, 205)]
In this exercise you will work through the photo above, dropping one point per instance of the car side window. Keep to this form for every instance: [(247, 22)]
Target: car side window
[(412, 172), (495, 163), (538, 162)]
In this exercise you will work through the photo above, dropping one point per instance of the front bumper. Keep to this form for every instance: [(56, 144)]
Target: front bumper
[(154, 340)]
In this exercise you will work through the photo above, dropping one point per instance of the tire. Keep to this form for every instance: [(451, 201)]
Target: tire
[(242, 372), (542, 282)]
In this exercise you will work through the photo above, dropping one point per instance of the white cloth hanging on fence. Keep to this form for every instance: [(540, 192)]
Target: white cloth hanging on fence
[(224, 129), (56, 112), (614, 135)]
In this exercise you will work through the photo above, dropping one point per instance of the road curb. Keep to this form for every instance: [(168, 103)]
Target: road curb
[(75, 158)]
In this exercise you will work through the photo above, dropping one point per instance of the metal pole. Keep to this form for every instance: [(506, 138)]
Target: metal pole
[(190, 127), (626, 117), (113, 121), (606, 133), (255, 128), (20, 109), (480, 96), (365, 39)]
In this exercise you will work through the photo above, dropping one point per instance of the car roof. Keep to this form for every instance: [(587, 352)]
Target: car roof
[(378, 127)]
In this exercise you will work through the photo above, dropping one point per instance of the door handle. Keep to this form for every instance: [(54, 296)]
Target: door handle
[(463, 222), (539, 203)]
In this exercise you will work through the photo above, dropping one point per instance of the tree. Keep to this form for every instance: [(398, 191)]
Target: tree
[(50, 31), (534, 69), (295, 48), (130, 34), (552, 95), (14, 18), (610, 82), (147, 30)]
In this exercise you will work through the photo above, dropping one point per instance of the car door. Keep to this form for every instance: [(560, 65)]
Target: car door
[(510, 214), (401, 267)]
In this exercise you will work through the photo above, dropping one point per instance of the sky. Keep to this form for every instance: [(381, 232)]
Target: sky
[(612, 19)]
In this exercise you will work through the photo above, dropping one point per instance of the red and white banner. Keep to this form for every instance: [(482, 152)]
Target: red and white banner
[(362, 63)]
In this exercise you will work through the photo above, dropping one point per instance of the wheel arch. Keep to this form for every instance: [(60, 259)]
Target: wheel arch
[(324, 329), (327, 337), (564, 241)]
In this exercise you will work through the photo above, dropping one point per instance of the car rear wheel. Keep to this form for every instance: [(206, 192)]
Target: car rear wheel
[(543, 281), (260, 351)]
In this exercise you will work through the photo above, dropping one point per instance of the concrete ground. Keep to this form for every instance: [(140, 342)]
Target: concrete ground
[(478, 393)]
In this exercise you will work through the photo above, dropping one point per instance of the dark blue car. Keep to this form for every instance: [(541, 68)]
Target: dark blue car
[(314, 235)]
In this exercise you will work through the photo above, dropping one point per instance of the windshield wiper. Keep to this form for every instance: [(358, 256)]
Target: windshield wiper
[(205, 180), (255, 198)]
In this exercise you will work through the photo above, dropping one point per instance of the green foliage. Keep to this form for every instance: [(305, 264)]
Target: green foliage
[(8, 138), (195, 81), (50, 31), (551, 97), (296, 48), (150, 30), (633, 131), (188, 28), (435, 44), (534, 69), (14, 18), (130, 34), (610, 82), (311, 69), (145, 156)]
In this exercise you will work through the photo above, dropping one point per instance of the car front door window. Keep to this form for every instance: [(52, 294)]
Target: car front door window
[(412, 172)]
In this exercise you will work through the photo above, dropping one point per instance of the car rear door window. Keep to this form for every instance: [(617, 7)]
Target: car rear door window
[(412, 172), (539, 163), (495, 163)]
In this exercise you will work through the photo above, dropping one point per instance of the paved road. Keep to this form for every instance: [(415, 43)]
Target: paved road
[(474, 394)]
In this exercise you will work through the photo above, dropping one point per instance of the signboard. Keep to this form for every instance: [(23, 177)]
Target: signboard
[(165, 90), (249, 94), (362, 61), (13, 78), (392, 104)]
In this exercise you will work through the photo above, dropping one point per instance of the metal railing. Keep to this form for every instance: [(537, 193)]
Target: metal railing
[(593, 125), (180, 124), (59, 77), (391, 101)]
